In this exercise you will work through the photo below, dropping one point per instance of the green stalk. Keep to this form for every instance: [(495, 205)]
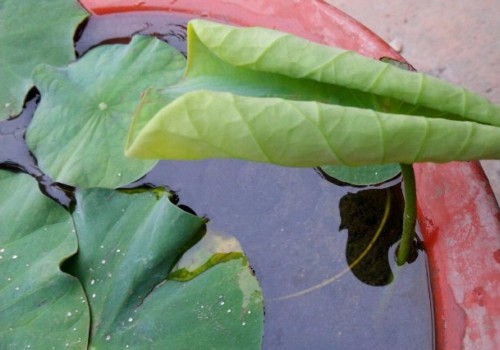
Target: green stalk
[(409, 215)]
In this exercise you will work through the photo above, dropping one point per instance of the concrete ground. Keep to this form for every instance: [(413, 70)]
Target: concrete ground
[(458, 41)]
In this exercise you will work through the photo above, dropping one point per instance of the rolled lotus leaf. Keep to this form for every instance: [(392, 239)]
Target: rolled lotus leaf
[(206, 124), (267, 96), (267, 50)]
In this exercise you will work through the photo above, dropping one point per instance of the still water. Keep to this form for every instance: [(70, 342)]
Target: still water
[(300, 231)]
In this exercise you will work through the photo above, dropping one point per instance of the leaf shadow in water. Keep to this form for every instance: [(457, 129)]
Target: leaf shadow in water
[(373, 220)]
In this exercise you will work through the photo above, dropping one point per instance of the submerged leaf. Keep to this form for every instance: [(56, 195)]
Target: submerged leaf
[(79, 129), (129, 243), (33, 32), (40, 306), (361, 175), (213, 249)]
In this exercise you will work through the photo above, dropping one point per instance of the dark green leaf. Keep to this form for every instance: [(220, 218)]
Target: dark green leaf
[(33, 32), (362, 175), (40, 306), (129, 244), (79, 130)]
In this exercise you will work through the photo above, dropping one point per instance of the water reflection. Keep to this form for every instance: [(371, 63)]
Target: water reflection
[(373, 220)]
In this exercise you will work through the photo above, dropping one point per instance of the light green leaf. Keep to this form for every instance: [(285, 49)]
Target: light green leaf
[(206, 71), (40, 306), (206, 124), (33, 32), (366, 174), (79, 129), (129, 243), (266, 96), (270, 51)]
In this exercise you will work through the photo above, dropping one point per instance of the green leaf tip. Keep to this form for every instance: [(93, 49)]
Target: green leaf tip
[(266, 96)]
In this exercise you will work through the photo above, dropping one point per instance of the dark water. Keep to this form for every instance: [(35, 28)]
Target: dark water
[(288, 222)]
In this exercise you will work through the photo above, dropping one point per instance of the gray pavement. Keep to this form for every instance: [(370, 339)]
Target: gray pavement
[(458, 41)]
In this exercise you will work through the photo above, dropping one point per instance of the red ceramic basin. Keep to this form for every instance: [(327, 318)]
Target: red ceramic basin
[(458, 214)]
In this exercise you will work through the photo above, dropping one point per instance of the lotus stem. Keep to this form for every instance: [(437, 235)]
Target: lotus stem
[(409, 214)]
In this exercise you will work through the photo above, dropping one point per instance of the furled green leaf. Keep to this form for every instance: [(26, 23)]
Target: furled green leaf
[(33, 32), (366, 174), (207, 71), (266, 96), (40, 306), (362, 175), (265, 50), (79, 129), (206, 124), (129, 243)]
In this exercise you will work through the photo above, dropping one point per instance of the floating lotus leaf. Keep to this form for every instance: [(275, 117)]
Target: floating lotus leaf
[(79, 129), (130, 242), (33, 32), (363, 174), (40, 306)]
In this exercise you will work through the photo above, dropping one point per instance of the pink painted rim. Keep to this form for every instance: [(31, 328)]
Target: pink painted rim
[(458, 214)]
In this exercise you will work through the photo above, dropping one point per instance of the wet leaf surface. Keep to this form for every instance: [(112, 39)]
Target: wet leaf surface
[(129, 243), (40, 306)]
